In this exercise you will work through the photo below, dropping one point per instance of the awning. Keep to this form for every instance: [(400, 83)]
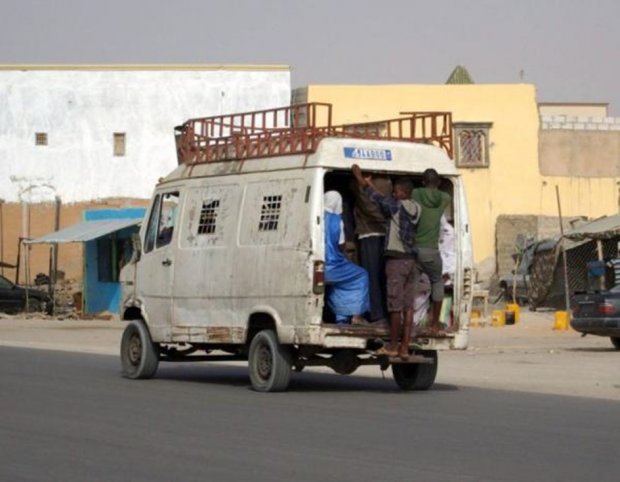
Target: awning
[(606, 227), (85, 231)]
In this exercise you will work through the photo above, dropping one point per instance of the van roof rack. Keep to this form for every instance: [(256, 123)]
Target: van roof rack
[(297, 129)]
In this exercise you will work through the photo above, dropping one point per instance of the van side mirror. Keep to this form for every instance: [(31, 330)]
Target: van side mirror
[(136, 246)]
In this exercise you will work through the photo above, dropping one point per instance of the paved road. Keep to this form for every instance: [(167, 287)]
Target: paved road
[(70, 416)]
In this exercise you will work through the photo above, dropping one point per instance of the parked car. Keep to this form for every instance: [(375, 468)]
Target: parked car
[(598, 313), (13, 298)]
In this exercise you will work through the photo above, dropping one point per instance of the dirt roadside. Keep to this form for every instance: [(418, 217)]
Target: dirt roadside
[(528, 356)]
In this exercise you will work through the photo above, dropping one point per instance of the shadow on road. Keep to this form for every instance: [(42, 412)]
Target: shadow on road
[(599, 349), (307, 381)]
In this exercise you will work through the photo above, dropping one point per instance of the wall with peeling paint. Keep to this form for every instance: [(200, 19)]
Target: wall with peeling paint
[(81, 108)]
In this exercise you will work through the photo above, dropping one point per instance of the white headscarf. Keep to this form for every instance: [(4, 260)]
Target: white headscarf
[(333, 202)]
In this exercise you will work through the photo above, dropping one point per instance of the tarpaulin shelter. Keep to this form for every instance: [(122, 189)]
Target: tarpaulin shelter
[(591, 241)]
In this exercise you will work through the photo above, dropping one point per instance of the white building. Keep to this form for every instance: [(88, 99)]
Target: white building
[(102, 131), (100, 136)]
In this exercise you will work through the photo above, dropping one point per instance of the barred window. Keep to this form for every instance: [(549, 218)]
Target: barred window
[(472, 144), (40, 139), (270, 213), (208, 217)]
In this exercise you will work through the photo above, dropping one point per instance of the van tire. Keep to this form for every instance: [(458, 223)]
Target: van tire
[(615, 341), (139, 355), (269, 363), (416, 376)]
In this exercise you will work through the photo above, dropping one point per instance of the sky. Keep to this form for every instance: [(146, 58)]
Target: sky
[(567, 48)]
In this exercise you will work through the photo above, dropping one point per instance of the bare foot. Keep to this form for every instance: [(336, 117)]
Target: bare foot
[(437, 330), (359, 320)]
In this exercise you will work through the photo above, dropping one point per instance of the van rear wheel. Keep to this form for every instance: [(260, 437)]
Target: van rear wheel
[(139, 355), (269, 363), (615, 341), (416, 376)]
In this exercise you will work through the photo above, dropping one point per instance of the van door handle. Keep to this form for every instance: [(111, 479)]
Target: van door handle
[(166, 262)]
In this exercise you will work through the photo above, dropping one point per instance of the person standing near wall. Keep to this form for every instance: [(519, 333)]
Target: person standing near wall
[(433, 203)]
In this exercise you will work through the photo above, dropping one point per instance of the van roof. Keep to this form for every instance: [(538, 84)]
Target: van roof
[(335, 153), (298, 129), (303, 135)]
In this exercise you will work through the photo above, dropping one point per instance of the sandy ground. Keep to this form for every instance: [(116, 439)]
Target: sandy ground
[(529, 356)]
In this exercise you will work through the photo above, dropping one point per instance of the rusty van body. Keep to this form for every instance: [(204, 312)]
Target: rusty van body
[(229, 261)]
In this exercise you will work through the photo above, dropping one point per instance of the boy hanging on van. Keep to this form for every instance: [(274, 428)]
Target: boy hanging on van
[(434, 203), (347, 283), (400, 255)]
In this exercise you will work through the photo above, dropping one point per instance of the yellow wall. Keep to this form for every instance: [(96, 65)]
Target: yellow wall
[(512, 184)]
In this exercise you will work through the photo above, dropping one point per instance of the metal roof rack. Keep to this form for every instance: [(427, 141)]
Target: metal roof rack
[(297, 129)]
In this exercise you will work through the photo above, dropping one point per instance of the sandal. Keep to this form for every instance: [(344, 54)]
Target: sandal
[(389, 352)]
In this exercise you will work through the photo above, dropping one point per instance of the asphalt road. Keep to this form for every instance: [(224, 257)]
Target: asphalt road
[(70, 416)]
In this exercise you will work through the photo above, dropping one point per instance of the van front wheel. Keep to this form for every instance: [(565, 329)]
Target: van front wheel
[(139, 356), (269, 363)]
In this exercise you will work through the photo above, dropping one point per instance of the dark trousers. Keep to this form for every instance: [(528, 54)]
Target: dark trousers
[(371, 259)]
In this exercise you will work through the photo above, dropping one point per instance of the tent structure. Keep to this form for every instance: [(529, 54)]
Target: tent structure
[(105, 234), (596, 240), (85, 231)]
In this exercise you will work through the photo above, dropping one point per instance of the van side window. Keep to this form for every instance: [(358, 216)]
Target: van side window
[(167, 219), (149, 242), (208, 216), (270, 213)]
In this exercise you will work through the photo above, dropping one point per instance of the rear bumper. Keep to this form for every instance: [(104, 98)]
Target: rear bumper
[(597, 326)]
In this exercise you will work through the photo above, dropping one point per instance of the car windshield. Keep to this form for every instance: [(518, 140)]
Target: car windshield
[(5, 283)]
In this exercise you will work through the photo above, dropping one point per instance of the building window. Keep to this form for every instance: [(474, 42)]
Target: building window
[(40, 139), (472, 144), (119, 143), (208, 217), (270, 213)]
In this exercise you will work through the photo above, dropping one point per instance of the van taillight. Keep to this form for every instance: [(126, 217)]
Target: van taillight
[(318, 278), (606, 309)]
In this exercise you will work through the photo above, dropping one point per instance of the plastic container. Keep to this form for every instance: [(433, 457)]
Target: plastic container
[(516, 309), (562, 320), (510, 317), (498, 318)]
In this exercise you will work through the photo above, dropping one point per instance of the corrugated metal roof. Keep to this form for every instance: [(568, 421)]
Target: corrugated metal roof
[(86, 231), (602, 228)]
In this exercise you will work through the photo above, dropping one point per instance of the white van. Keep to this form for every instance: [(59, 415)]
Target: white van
[(229, 263)]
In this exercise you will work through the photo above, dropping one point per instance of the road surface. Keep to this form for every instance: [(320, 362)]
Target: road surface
[(70, 416)]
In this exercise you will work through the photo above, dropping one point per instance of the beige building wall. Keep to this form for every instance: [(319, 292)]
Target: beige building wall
[(512, 184), (39, 220), (577, 109)]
